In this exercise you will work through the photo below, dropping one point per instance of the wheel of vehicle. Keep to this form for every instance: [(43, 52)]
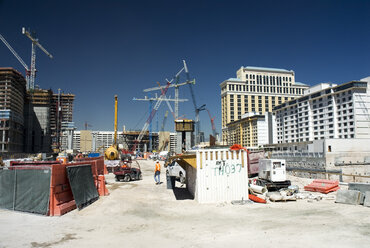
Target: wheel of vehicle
[(182, 178), (126, 178), (116, 178), (140, 176)]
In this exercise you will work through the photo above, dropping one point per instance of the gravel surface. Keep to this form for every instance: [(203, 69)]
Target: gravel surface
[(143, 214)]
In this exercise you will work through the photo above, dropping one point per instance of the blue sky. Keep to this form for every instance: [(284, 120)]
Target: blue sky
[(103, 48)]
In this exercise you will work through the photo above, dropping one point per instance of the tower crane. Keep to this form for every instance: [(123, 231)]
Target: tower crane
[(151, 100), (35, 42), (212, 123), (18, 57), (196, 108), (176, 85), (155, 108)]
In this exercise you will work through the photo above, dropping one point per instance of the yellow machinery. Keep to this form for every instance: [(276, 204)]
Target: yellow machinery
[(112, 152)]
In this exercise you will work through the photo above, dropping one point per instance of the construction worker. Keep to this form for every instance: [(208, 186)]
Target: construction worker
[(124, 165), (157, 172)]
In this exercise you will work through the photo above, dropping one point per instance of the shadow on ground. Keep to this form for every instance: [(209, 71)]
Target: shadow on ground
[(182, 194)]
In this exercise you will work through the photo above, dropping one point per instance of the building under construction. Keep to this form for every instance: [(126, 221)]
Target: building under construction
[(130, 137), (12, 94), (61, 112), (40, 103)]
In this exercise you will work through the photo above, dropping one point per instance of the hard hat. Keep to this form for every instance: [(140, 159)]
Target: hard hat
[(157, 161), (125, 162)]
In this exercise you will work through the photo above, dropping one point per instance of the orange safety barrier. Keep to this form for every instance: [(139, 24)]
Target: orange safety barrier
[(322, 186), (61, 197)]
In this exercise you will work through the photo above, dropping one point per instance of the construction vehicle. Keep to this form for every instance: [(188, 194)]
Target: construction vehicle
[(111, 153), (272, 174), (127, 172)]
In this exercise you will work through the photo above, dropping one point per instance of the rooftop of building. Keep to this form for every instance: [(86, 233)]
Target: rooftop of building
[(328, 90), (235, 79), (256, 68), (300, 83)]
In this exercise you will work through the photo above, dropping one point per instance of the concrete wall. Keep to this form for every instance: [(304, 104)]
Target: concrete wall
[(349, 151), (191, 180)]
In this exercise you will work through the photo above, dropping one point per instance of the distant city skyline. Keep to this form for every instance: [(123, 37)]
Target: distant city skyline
[(106, 48)]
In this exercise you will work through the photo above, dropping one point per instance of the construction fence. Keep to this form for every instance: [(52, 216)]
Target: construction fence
[(52, 188)]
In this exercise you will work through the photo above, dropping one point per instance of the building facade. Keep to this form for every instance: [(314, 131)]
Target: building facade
[(12, 95), (327, 111), (253, 130), (256, 89)]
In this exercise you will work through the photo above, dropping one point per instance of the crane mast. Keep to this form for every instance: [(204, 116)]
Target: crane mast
[(35, 42), (115, 120), (196, 108)]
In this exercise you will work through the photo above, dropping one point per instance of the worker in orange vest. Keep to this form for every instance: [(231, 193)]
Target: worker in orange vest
[(157, 172)]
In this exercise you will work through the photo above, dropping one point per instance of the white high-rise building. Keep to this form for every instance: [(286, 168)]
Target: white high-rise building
[(326, 111)]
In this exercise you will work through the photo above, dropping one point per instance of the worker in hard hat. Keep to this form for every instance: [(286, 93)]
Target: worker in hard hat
[(157, 172), (124, 165)]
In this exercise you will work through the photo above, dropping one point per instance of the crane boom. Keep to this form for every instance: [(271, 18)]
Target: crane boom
[(36, 41), (151, 116), (172, 85), (14, 52), (212, 123)]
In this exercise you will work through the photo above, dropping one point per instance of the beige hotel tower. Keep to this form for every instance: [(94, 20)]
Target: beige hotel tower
[(256, 90)]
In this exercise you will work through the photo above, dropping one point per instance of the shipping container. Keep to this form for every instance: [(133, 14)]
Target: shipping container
[(218, 175)]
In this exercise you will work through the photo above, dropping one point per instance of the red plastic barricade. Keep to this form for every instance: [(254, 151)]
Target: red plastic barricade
[(61, 197), (322, 186)]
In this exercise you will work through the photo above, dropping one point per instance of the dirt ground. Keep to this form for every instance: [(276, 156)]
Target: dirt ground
[(142, 214)]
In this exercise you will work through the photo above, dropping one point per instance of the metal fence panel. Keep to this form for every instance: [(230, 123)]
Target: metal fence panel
[(82, 184), (26, 190)]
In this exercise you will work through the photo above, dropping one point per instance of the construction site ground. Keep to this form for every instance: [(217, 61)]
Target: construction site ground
[(143, 214)]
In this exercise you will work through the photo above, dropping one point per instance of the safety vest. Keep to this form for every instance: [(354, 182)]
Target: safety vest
[(157, 167)]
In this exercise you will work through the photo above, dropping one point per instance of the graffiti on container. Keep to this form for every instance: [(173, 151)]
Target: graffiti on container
[(223, 168)]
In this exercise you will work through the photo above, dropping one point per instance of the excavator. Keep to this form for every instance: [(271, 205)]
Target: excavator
[(111, 154)]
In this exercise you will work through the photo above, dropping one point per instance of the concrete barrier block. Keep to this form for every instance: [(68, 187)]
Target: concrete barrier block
[(367, 199), (352, 197), (362, 187)]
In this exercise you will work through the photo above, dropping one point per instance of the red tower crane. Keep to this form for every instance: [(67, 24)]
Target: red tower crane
[(212, 123)]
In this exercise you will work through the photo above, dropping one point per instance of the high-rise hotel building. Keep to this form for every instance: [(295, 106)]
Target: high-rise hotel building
[(256, 89), (326, 111)]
